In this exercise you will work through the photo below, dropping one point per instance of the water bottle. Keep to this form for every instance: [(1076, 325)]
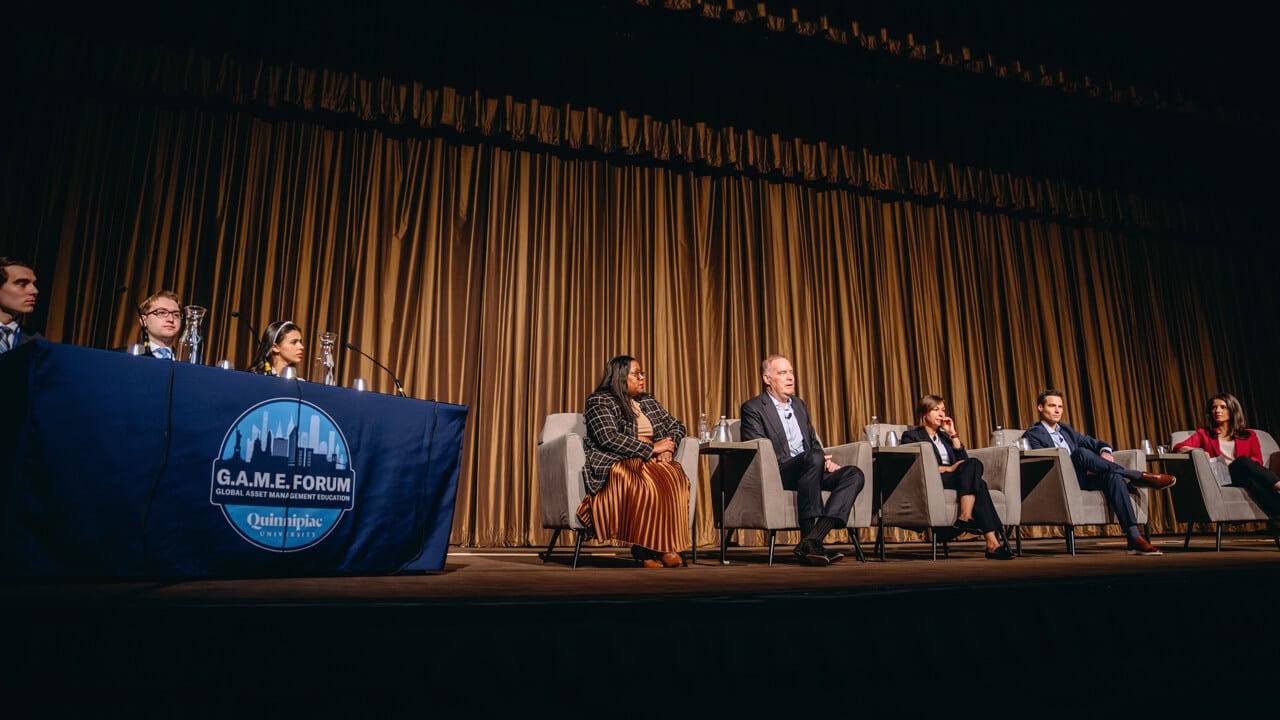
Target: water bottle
[(998, 436), (704, 433), (722, 430), (875, 431)]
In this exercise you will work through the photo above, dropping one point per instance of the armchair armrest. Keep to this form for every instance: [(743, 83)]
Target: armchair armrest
[(1002, 471), (857, 454), (1132, 459), (687, 455), (854, 453), (560, 485), (1000, 468)]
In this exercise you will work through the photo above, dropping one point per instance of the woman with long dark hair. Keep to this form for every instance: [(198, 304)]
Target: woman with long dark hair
[(1226, 435), (636, 492), (977, 513), (280, 347)]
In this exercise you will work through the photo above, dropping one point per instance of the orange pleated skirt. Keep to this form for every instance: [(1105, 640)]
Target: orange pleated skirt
[(643, 503)]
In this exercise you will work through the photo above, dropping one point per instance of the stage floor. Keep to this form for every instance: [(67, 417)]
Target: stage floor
[(498, 629)]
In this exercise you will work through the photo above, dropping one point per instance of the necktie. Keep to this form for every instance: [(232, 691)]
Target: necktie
[(6, 333), (163, 353)]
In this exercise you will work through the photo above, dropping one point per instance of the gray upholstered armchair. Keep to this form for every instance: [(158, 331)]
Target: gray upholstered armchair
[(909, 489), (1197, 496), (758, 500), (561, 460), (1051, 493)]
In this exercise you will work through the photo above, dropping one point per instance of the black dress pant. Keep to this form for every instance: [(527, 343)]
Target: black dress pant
[(805, 473), (1258, 481), (967, 480)]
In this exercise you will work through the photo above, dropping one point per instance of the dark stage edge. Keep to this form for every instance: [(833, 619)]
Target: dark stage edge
[(1103, 633)]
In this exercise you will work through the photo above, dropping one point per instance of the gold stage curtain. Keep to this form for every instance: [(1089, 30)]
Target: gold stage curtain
[(501, 274)]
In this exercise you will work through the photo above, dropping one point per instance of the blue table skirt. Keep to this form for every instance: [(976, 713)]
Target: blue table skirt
[(118, 465)]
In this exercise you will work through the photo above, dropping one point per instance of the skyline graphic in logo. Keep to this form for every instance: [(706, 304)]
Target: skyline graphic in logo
[(283, 476)]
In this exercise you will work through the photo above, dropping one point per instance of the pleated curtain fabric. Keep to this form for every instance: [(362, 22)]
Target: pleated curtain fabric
[(503, 274)]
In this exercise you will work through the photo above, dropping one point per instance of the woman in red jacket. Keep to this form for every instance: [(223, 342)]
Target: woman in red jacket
[(1226, 435)]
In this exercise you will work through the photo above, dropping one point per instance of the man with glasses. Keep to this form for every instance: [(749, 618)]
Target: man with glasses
[(17, 299), (782, 418), (161, 322)]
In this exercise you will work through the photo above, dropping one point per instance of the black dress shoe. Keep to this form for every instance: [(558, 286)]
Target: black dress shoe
[(968, 526), (1000, 553), (834, 556), (811, 555)]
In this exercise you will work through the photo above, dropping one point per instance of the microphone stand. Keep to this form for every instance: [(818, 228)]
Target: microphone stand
[(399, 389), (146, 339), (236, 314), (253, 340)]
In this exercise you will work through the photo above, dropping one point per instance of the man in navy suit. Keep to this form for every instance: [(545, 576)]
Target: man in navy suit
[(17, 299), (782, 418), (1096, 468)]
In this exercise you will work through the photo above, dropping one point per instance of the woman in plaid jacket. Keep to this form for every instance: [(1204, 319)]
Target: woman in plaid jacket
[(637, 493)]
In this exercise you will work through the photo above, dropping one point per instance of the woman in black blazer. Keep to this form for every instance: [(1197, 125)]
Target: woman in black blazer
[(637, 492), (959, 472)]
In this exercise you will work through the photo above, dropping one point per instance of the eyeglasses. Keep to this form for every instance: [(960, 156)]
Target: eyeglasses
[(637, 374), (163, 314)]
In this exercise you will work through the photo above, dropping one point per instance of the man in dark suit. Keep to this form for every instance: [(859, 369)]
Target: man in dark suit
[(17, 298), (1095, 467), (161, 321), (782, 418)]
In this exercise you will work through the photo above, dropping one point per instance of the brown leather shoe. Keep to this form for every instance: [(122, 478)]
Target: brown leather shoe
[(1140, 546), (671, 559), (1159, 481)]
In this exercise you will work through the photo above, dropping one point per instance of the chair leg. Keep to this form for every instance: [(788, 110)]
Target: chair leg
[(933, 541), (1003, 537), (577, 546), (1186, 541), (857, 545), (555, 535), (1070, 532), (693, 544), (773, 541), (1218, 544), (880, 536), (1017, 534), (724, 547)]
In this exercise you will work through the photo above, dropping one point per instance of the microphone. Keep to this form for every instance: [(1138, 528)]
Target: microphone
[(351, 346), (236, 314)]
